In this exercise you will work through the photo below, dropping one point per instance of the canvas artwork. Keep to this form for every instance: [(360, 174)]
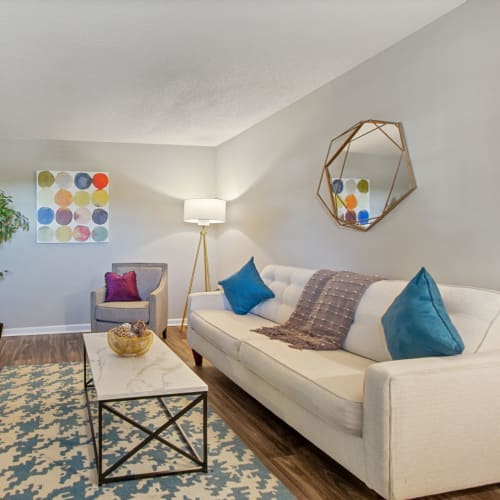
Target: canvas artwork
[(352, 200), (72, 207)]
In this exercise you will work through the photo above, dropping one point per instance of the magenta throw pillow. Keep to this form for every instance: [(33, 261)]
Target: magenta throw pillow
[(121, 287)]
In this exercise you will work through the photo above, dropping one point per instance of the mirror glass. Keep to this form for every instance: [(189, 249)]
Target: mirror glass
[(367, 172)]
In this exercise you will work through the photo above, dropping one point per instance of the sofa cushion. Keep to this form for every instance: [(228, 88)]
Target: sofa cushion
[(224, 329), (245, 288), (473, 311), (287, 284), (416, 325), (326, 383), (122, 312)]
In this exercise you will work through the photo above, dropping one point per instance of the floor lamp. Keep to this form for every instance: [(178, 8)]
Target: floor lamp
[(202, 212)]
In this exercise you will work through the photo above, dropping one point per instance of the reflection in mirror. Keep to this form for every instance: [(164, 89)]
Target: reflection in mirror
[(367, 172)]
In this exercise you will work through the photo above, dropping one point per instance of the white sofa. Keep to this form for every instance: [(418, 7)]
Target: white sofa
[(406, 428)]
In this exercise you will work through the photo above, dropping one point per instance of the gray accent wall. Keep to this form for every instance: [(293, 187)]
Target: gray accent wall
[(443, 83), (49, 284)]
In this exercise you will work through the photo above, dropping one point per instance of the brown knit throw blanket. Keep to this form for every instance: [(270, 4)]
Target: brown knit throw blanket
[(324, 312)]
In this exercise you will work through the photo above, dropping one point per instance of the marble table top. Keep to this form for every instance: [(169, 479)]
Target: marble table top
[(159, 372)]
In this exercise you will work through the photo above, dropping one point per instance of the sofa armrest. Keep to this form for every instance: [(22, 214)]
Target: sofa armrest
[(207, 300), (431, 424)]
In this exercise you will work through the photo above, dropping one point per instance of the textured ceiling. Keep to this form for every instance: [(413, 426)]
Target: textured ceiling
[(193, 72)]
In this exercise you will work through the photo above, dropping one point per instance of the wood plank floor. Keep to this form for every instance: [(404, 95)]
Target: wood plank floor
[(305, 470)]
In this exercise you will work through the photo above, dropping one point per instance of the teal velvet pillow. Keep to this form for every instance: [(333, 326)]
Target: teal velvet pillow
[(245, 288), (417, 325)]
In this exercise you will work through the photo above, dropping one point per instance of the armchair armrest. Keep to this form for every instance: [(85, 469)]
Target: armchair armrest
[(431, 424), (97, 296), (158, 306), (207, 300), (161, 288)]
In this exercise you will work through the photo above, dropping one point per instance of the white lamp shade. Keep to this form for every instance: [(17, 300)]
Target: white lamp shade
[(205, 211)]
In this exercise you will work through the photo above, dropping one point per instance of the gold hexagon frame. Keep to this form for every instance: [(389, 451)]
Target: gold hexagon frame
[(366, 174)]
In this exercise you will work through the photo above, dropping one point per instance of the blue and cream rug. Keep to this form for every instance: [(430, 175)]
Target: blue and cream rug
[(46, 449)]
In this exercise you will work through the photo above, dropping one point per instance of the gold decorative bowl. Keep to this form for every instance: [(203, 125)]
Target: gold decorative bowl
[(130, 346)]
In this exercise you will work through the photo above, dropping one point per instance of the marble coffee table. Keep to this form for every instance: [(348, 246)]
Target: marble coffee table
[(110, 380)]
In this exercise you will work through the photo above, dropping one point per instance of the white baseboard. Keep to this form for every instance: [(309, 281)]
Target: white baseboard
[(56, 329), (44, 330)]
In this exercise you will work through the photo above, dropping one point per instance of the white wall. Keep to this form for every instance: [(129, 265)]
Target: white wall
[(49, 284), (443, 83)]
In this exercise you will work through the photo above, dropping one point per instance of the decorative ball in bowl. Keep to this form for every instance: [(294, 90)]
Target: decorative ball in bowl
[(130, 340)]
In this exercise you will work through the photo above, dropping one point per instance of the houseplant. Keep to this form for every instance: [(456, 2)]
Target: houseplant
[(10, 221)]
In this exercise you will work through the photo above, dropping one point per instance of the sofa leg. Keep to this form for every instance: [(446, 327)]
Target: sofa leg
[(198, 358), (164, 333)]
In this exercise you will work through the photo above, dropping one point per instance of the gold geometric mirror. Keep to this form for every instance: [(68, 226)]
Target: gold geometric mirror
[(367, 172)]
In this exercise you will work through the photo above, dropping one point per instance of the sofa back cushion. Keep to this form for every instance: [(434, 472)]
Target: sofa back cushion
[(473, 311), (287, 284)]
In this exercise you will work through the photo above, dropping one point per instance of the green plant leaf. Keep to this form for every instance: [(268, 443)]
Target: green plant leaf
[(10, 220)]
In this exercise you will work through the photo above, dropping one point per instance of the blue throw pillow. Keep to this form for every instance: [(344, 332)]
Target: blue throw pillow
[(245, 289), (417, 325)]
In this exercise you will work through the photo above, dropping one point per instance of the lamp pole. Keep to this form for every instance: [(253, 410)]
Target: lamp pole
[(201, 242), (203, 212)]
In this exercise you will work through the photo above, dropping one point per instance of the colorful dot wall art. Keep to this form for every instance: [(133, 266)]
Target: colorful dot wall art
[(72, 207), (352, 200)]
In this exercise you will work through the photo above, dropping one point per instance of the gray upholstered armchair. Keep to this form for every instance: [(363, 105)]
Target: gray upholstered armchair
[(153, 308)]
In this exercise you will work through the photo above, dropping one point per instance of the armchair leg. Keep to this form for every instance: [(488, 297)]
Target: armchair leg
[(164, 334), (198, 358)]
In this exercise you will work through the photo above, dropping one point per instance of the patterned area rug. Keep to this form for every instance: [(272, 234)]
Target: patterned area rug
[(46, 449)]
